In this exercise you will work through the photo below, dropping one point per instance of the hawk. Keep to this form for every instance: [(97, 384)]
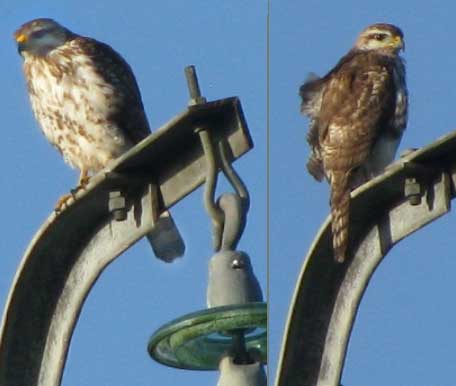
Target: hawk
[(83, 94), (358, 112)]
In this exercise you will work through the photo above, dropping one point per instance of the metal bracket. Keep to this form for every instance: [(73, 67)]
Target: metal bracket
[(70, 251), (328, 295), (228, 215), (55, 276)]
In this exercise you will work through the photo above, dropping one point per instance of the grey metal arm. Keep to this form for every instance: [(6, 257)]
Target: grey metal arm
[(71, 249), (410, 194)]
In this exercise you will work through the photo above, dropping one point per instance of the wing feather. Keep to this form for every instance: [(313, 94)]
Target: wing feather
[(350, 108), (129, 114)]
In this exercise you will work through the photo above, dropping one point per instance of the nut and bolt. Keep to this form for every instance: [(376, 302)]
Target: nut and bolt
[(412, 191), (117, 206)]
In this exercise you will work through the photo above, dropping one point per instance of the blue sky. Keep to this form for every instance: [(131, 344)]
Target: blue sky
[(137, 293), (404, 331)]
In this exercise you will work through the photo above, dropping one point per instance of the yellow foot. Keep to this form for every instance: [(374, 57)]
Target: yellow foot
[(63, 202), (83, 182)]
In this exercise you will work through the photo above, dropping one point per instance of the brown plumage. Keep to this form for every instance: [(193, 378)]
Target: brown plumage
[(83, 94), (87, 102), (357, 112)]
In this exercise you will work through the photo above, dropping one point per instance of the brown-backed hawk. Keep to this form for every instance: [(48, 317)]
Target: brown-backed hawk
[(86, 100), (358, 112), (83, 94)]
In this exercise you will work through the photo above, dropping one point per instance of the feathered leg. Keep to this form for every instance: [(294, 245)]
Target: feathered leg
[(83, 179)]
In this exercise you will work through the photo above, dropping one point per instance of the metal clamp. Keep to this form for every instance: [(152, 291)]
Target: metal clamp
[(228, 213)]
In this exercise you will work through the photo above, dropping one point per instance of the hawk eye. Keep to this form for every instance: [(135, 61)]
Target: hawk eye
[(39, 34), (379, 37)]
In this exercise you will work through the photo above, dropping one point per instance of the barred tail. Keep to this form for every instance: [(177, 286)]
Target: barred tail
[(340, 207)]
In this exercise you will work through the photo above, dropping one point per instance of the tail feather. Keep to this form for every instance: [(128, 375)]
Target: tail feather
[(340, 212)]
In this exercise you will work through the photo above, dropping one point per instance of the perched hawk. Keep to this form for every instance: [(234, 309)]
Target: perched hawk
[(358, 112), (86, 100), (83, 94)]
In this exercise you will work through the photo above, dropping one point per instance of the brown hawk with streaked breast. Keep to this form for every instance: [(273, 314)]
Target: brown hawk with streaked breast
[(83, 94), (87, 103), (358, 112)]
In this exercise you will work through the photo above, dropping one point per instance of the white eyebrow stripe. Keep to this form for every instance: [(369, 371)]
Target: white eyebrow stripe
[(378, 31)]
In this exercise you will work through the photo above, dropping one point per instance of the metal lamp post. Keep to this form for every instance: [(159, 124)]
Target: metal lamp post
[(231, 334), (411, 193), (126, 201)]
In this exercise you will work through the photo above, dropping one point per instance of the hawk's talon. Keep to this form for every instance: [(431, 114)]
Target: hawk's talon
[(74, 191), (83, 182), (78, 188), (358, 112), (62, 203), (91, 139)]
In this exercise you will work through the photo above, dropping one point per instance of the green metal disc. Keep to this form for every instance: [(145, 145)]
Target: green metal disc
[(197, 341)]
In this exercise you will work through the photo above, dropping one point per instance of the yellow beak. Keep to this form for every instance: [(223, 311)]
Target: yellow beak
[(21, 38), (398, 42)]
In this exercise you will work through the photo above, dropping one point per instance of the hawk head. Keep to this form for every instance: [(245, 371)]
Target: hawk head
[(40, 36), (385, 38)]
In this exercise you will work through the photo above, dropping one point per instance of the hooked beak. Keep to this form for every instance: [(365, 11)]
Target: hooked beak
[(21, 40), (399, 43)]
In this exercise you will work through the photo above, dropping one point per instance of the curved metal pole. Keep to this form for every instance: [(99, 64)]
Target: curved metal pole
[(328, 294), (71, 250), (53, 280)]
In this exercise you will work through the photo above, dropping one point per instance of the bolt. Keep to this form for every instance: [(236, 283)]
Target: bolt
[(193, 87), (241, 355), (412, 191), (117, 205)]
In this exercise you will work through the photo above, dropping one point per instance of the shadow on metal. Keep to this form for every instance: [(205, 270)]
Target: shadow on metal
[(410, 194), (71, 249)]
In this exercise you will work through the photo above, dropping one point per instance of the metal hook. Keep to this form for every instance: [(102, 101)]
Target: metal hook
[(234, 179), (212, 208), (229, 213)]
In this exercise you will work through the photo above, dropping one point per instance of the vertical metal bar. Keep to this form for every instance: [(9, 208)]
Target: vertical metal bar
[(192, 82), (241, 356), (193, 86)]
